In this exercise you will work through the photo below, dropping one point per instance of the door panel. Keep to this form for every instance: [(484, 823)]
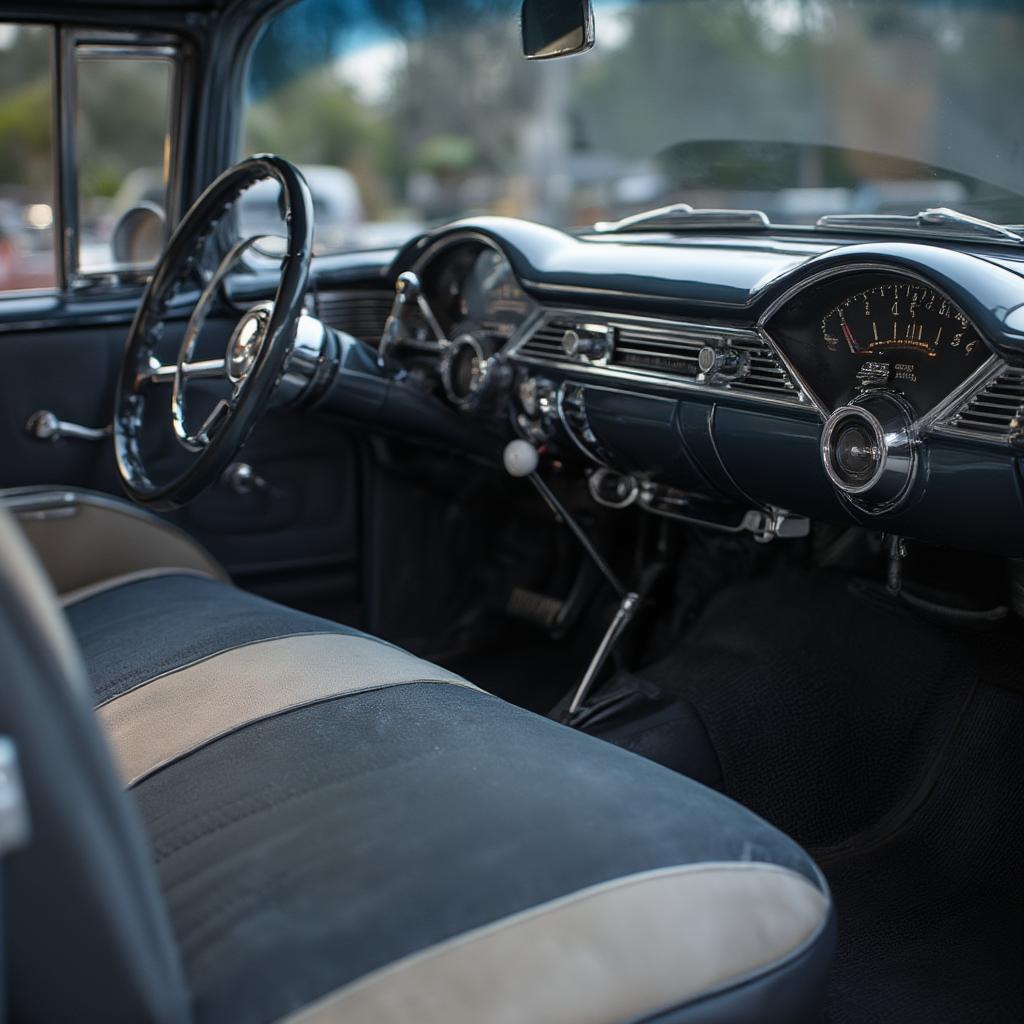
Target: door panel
[(294, 538)]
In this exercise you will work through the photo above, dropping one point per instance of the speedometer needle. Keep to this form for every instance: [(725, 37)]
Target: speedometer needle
[(848, 334)]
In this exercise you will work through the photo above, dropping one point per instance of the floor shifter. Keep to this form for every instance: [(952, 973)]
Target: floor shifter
[(521, 460)]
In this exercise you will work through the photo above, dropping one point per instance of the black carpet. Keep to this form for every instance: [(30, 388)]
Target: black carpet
[(892, 748)]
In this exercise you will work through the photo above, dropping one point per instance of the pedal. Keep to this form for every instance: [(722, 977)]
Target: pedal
[(537, 609)]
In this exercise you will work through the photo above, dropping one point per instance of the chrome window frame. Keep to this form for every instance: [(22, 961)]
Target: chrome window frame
[(72, 44)]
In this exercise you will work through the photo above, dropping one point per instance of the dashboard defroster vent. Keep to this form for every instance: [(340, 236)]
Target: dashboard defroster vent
[(664, 351), (994, 411)]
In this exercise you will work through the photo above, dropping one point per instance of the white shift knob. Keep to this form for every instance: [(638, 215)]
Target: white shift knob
[(520, 458)]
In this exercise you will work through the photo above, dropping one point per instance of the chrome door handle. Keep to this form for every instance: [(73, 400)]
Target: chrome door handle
[(44, 425)]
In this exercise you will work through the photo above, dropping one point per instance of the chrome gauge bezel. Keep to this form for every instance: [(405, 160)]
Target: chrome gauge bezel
[(842, 416), (480, 374), (890, 421), (921, 421)]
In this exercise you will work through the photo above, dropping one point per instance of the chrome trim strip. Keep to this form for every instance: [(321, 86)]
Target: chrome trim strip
[(72, 44), (440, 245), (960, 397)]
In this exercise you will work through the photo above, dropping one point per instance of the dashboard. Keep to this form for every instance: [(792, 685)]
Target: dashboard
[(741, 383)]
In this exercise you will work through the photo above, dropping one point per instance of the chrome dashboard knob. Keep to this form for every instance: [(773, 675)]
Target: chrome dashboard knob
[(719, 361), (869, 451), (592, 342)]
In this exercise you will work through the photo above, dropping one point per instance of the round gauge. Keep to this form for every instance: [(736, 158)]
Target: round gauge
[(872, 331), (467, 370), (493, 296), (899, 318), (473, 289)]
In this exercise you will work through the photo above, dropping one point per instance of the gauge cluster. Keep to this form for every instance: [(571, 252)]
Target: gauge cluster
[(454, 315), (473, 290), (858, 332)]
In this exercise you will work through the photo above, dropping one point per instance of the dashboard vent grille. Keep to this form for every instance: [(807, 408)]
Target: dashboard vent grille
[(546, 342), (359, 313), (991, 411), (666, 350), (766, 375), (663, 350)]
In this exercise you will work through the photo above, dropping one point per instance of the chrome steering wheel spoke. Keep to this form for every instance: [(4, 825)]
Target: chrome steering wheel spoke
[(187, 369), (201, 369)]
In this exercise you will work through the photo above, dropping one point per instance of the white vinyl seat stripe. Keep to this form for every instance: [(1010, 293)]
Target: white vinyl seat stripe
[(625, 950), (166, 718)]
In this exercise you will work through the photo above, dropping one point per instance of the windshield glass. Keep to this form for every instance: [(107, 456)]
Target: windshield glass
[(407, 114)]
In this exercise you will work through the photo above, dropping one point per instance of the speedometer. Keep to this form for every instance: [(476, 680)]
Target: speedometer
[(899, 317), (870, 331)]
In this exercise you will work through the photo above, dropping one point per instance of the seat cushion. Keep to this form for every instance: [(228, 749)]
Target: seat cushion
[(345, 832), (309, 850)]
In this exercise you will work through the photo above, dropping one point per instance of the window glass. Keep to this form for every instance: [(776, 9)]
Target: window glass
[(26, 158), (425, 111), (123, 135)]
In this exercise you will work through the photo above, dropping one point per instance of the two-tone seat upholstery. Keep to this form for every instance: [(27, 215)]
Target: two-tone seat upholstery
[(342, 832)]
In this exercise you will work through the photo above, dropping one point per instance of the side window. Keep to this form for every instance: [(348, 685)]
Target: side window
[(27, 258), (84, 174), (123, 135)]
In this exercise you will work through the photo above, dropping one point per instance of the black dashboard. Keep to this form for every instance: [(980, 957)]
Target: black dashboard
[(748, 383)]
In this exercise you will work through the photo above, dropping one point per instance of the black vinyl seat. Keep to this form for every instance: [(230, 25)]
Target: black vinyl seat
[(338, 831)]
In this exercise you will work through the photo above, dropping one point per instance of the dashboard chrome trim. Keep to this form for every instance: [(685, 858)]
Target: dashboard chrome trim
[(440, 245), (700, 332), (958, 399)]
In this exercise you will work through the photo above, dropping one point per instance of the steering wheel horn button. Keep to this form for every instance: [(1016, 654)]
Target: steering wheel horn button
[(246, 341)]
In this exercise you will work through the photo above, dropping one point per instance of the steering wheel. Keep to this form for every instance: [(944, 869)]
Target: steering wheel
[(259, 353)]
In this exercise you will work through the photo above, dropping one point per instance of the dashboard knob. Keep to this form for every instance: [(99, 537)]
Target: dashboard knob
[(719, 362), (588, 341)]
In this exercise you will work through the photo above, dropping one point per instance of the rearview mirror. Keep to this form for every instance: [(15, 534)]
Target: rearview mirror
[(556, 28)]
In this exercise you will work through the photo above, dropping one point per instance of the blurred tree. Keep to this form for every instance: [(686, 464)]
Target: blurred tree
[(25, 107)]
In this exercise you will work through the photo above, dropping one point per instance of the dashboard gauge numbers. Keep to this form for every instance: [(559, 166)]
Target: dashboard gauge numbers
[(899, 316), (872, 330)]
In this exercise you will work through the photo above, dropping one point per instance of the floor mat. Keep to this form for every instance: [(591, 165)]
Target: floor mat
[(890, 747), (931, 918)]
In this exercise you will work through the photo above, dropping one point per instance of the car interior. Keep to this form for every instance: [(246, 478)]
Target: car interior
[(556, 555)]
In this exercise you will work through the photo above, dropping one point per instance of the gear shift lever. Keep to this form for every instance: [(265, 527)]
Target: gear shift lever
[(521, 460)]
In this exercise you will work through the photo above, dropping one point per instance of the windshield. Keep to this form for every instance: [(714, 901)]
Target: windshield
[(414, 113)]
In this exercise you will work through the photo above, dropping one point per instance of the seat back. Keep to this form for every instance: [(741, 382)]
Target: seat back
[(85, 934)]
